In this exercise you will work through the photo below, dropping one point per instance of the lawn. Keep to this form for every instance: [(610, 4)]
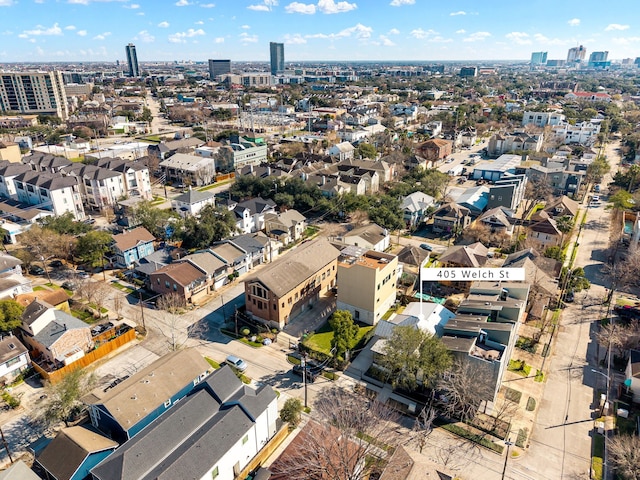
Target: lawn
[(321, 341), (598, 454), (121, 287)]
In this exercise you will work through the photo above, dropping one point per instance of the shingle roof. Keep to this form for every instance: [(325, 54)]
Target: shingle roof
[(474, 255), (183, 273), (205, 261), (71, 446), (8, 261), (296, 266), (194, 196), (59, 326), (127, 240), (371, 233), (10, 348), (18, 471)]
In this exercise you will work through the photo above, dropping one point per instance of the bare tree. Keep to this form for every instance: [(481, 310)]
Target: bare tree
[(352, 434), (100, 293), (464, 390), (624, 452), (173, 304), (86, 289), (116, 301), (422, 427), (619, 337)]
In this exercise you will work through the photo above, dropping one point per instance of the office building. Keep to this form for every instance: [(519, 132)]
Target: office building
[(38, 93), (576, 55), (599, 60), (277, 57), (539, 58), (132, 60), (219, 67), (469, 72)]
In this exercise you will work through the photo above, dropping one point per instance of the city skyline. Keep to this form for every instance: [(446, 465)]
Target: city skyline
[(321, 30)]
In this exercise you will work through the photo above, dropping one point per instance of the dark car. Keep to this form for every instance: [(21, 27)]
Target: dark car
[(569, 296), (36, 270), (312, 373), (69, 285), (426, 246), (56, 264)]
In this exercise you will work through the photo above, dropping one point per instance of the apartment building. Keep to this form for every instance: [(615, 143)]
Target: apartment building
[(50, 191), (366, 283), (542, 119), (39, 93)]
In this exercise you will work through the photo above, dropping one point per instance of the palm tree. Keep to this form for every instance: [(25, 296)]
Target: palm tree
[(564, 224)]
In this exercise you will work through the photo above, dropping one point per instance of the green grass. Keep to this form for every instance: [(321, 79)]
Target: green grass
[(39, 288), (474, 437), (214, 185), (598, 454), (83, 315), (311, 231), (246, 341), (212, 362), (293, 360), (122, 288), (519, 367), (626, 426), (512, 395), (539, 376), (321, 341), (101, 309), (531, 404)]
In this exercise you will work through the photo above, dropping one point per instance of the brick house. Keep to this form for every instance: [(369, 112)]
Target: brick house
[(434, 150), (182, 278)]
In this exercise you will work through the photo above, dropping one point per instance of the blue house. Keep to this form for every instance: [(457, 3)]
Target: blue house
[(73, 452), (131, 246), (124, 410)]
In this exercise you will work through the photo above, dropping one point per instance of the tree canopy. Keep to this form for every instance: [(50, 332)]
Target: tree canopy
[(345, 333), (92, 247), (213, 225), (10, 315), (65, 224)]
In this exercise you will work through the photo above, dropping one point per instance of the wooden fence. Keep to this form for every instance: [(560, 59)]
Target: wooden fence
[(225, 176), (103, 350), (266, 452)]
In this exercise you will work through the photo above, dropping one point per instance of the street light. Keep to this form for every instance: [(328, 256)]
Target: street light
[(606, 405), (506, 458)]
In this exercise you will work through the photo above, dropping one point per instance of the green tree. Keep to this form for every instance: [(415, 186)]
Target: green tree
[(412, 355), (577, 281), (10, 315), (597, 170), (213, 225), (63, 398), (621, 200), (554, 252), (153, 219), (366, 150), (291, 412), (65, 224), (564, 224), (146, 116), (92, 247), (345, 332)]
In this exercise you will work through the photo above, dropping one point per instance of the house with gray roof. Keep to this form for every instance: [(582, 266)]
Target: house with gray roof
[(216, 270), (498, 220), (293, 283), (18, 471), (125, 410), (250, 213), (371, 237), (415, 207), (450, 218), (258, 247), (56, 337), (191, 202), (50, 191), (475, 199), (214, 432), (286, 226), (14, 358)]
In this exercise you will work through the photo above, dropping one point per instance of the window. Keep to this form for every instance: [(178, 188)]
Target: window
[(175, 287), (245, 439), (275, 306), (282, 304), (167, 404), (167, 284), (289, 300)]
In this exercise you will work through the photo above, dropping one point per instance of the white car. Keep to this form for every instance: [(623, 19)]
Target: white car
[(595, 198), (236, 362)]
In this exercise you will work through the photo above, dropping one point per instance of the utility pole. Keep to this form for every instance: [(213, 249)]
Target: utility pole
[(303, 362), (142, 313), (6, 445), (506, 458)]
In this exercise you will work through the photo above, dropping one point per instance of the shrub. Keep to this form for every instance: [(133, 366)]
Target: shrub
[(10, 400), (512, 395), (245, 331), (531, 404), (291, 412)]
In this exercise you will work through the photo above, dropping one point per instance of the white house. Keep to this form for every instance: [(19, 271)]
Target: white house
[(14, 358), (191, 169), (250, 214), (542, 119), (50, 192), (415, 206), (342, 150), (584, 133), (371, 237), (100, 187), (191, 202)]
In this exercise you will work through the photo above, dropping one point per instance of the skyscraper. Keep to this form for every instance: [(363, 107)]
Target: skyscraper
[(34, 93), (277, 57), (132, 60), (539, 58), (219, 67), (576, 55)]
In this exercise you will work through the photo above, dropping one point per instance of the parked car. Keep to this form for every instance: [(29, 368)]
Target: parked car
[(426, 246), (597, 188), (595, 198), (311, 373), (36, 270), (236, 362), (83, 274), (69, 285), (569, 296), (56, 264)]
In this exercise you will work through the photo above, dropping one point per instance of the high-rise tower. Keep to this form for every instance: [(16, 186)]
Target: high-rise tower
[(277, 57), (576, 55), (132, 60), (219, 67)]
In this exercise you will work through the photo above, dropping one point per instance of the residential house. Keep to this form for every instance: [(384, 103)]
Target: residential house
[(371, 237), (123, 411), (57, 298), (154, 261), (74, 452), (250, 214), (137, 182), (12, 282), (463, 256), (583, 133), (632, 374), (191, 202), (589, 96), (492, 171), (238, 260), (451, 218), (18, 470), (385, 170), (214, 432), (14, 358), (342, 150), (433, 129), (500, 301), (182, 278), (366, 283), (293, 283), (8, 172), (50, 192), (561, 207), (507, 192), (164, 150), (498, 220), (100, 187), (45, 162), (563, 179), (131, 246), (415, 208), (475, 199), (259, 248), (10, 152), (545, 233), (182, 168), (216, 270), (434, 150), (286, 226), (500, 144), (52, 336)]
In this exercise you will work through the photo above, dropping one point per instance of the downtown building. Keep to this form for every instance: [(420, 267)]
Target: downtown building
[(132, 60), (277, 57), (219, 67), (37, 93)]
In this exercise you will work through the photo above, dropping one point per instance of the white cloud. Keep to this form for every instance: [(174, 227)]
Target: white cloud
[(199, 22), (439, 39), (295, 39), (394, 31), (82, 33), (420, 33), (102, 36), (207, 5), (359, 31), (519, 38), (574, 22), (218, 40), (386, 41), (265, 6), (625, 40), (399, 3), (87, 2), (460, 12), (330, 6), (163, 24), (182, 3), (303, 8), (6, 3), (70, 27), (245, 27), (477, 37), (133, 6), (145, 37), (42, 31), (462, 30), (181, 37), (542, 40), (616, 26), (246, 38)]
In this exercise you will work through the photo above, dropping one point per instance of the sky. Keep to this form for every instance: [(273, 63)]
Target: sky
[(314, 30)]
